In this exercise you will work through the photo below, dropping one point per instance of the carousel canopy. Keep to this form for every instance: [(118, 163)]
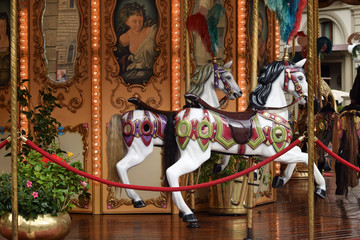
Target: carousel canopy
[(326, 3)]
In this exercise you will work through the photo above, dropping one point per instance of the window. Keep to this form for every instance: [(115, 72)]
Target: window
[(71, 4), (326, 30), (71, 53)]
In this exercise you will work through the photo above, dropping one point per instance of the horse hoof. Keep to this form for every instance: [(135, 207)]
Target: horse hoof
[(277, 182), (189, 218), (181, 215), (139, 204), (321, 193), (193, 225), (216, 168)]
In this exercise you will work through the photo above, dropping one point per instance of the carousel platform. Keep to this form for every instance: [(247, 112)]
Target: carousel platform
[(336, 217)]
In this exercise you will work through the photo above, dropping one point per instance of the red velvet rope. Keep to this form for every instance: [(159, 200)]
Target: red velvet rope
[(161, 189), (331, 153), (4, 143)]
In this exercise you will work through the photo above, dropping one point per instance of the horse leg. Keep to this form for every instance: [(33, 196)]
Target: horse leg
[(136, 154), (280, 181), (296, 156), (188, 162)]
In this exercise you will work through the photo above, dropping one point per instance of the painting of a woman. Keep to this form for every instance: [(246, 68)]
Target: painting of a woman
[(4, 49), (136, 46)]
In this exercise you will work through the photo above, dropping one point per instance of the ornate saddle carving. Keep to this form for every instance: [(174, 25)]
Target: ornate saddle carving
[(239, 122), (143, 106)]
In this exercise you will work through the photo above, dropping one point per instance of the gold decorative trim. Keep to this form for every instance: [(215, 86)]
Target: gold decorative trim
[(113, 202), (83, 130), (24, 58), (241, 53), (175, 43), (96, 88)]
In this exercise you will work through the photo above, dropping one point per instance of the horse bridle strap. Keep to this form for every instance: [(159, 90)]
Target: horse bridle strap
[(218, 76), (288, 76), (279, 108)]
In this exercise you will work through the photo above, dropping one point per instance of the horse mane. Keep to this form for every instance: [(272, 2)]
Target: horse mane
[(201, 75), (268, 74)]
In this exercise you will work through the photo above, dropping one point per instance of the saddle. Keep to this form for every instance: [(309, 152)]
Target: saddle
[(143, 106), (239, 122)]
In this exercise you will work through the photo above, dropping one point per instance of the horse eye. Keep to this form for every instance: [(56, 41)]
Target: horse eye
[(228, 77), (300, 78)]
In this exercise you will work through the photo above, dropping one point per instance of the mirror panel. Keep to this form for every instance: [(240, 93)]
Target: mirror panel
[(60, 27)]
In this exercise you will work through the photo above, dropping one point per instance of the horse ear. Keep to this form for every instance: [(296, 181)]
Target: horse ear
[(228, 64), (300, 63)]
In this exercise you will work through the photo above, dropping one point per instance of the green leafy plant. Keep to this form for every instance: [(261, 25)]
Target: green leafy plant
[(236, 164), (43, 186)]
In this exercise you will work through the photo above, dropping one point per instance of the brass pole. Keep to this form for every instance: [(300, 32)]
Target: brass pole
[(14, 116), (318, 56), (310, 118), (253, 83), (250, 200), (187, 77), (254, 45)]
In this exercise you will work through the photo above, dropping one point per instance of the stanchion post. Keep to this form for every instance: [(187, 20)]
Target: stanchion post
[(14, 117), (310, 115)]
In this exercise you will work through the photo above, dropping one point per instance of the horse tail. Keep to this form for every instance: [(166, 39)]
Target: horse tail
[(351, 147), (115, 146), (170, 145), (348, 150)]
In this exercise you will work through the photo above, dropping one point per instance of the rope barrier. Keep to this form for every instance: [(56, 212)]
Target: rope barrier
[(160, 189), (331, 153), (5, 142)]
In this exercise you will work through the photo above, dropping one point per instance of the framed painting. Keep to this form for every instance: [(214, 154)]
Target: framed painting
[(4, 43), (136, 26)]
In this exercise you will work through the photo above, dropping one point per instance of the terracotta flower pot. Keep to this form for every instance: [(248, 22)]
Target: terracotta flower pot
[(45, 226)]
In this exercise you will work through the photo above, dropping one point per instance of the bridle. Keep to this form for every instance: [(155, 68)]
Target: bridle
[(219, 77)]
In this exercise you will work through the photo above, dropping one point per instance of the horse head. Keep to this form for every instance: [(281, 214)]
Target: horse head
[(224, 81), (295, 81)]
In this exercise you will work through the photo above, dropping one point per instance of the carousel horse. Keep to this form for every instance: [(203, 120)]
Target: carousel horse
[(133, 135), (349, 140), (325, 121), (261, 132), (348, 127)]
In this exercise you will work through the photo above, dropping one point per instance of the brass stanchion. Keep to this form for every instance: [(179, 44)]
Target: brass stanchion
[(310, 130), (14, 117)]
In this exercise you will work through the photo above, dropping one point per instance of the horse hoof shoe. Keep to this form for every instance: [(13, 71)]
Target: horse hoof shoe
[(321, 193), (139, 204), (189, 218), (277, 182)]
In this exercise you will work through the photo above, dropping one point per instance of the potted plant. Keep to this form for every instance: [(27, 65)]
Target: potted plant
[(45, 189)]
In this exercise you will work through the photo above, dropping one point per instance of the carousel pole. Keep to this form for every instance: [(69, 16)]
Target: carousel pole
[(187, 78), (253, 83), (310, 115), (316, 9), (14, 116)]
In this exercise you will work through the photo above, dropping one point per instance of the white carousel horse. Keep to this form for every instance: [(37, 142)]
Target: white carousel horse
[(133, 135), (200, 131)]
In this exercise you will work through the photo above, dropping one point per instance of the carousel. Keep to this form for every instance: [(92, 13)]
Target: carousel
[(134, 111)]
